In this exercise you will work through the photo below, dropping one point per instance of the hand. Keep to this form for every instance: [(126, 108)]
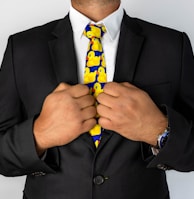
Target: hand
[(66, 113), (130, 111)]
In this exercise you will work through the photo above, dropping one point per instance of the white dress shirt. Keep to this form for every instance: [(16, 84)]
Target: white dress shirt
[(109, 40)]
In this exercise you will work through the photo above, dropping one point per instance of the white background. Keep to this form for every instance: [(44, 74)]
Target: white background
[(18, 15)]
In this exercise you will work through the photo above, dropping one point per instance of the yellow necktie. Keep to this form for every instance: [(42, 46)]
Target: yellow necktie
[(95, 71)]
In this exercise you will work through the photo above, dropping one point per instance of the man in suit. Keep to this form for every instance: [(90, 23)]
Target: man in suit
[(146, 110)]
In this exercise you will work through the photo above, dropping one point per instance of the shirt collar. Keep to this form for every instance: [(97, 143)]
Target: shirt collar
[(111, 22)]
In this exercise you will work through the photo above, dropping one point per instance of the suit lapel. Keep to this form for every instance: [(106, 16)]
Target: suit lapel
[(129, 48), (63, 53)]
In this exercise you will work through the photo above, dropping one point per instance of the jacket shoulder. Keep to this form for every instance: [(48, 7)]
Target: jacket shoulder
[(156, 30), (152, 30), (35, 34)]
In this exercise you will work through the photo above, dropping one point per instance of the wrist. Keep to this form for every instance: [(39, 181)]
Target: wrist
[(39, 141), (158, 130)]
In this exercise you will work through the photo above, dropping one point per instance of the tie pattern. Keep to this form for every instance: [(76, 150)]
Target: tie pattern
[(95, 71)]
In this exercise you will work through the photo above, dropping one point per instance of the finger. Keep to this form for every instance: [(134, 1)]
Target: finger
[(85, 101), (104, 111), (88, 113), (105, 123), (88, 125), (106, 99), (79, 90), (62, 86), (112, 88)]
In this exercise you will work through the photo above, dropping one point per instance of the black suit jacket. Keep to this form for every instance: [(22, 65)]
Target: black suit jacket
[(156, 59)]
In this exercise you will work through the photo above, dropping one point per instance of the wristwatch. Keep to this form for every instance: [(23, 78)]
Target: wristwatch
[(162, 138)]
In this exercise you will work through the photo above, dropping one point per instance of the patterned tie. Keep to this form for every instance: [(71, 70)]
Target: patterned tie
[(95, 70)]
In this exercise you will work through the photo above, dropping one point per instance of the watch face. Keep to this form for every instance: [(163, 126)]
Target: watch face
[(163, 139)]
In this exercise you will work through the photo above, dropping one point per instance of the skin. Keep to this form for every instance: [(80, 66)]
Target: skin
[(131, 112), (69, 111), (96, 10)]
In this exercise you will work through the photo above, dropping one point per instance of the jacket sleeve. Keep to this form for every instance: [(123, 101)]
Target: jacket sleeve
[(178, 153), (17, 146)]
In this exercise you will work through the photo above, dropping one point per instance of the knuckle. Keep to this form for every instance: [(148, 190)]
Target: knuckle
[(126, 84), (144, 93), (79, 90), (63, 86), (50, 99), (109, 85), (83, 88)]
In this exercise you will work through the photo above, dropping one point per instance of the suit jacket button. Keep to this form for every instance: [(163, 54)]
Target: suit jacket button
[(162, 167), (98, 180), (38, 173)]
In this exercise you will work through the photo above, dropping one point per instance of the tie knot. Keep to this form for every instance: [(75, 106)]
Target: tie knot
[(93, 30)]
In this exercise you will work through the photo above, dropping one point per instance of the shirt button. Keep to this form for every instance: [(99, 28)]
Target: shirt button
[(98, 180)]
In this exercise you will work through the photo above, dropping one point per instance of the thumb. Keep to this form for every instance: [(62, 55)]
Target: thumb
[(62, 86)]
